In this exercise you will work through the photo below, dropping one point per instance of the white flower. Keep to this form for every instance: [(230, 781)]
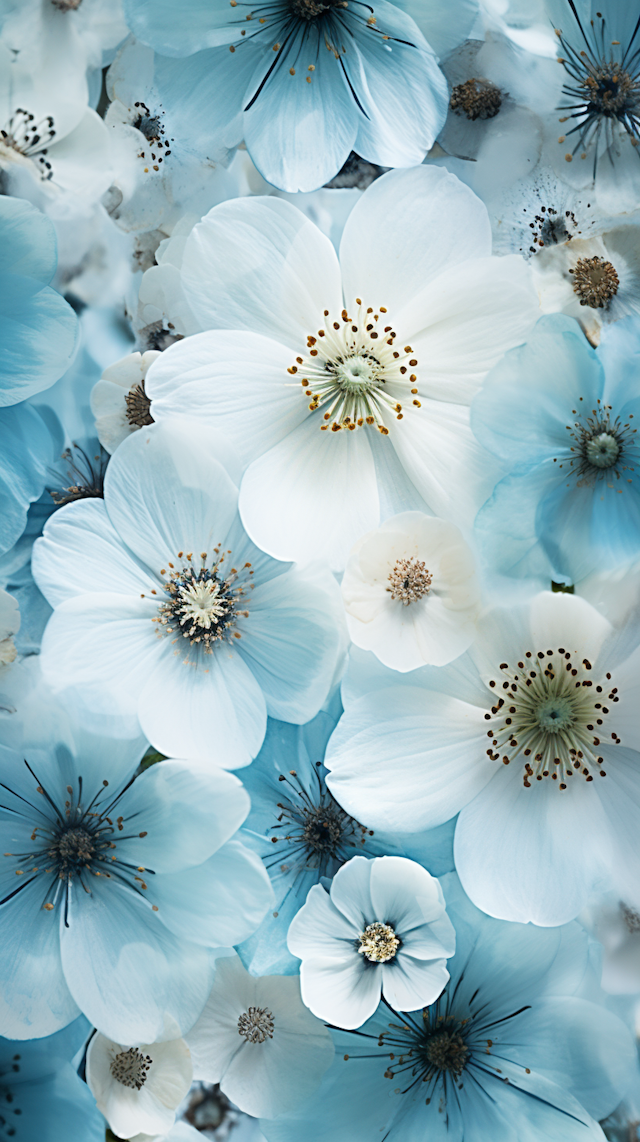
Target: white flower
[(165, 609), (410, 592), (345, 384), (595, 279), (532, 737), (256, 1038), (9, 625), (381, 929), (119, 402), (138, 1088), (54, 149)]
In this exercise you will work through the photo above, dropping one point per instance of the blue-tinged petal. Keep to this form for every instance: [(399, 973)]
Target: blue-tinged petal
[(57, 1110), (294, 640), (34, 997), (526, 402), (219, 902), (26, 455), (39, 332), (506, 525), (444, 26), (201, 24), (28, 245), (206, 97), (581, 1045), (300, 128), (398, 86), (134, 979), (186, 811), (40, 1057)]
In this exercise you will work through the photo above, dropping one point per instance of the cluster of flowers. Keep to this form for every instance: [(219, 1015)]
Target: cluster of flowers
[(319, 384)]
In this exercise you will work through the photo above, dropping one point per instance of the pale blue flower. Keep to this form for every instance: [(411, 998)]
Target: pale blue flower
[(562, 417), (115, 890), (26, 456), (267, 76), (508, 1050), (37, 326), (42, 1099)]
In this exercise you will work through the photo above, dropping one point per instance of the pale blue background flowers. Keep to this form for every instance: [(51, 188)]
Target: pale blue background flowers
[(300, 107), (556, 514), (37, 326)]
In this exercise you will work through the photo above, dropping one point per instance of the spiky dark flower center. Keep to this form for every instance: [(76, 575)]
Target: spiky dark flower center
[(378, 943), (30, 137), (312, 831), (603, 447), (447, 1051), (311, 9), (86, 475), (75, 838), (476, 98), (603, 87)]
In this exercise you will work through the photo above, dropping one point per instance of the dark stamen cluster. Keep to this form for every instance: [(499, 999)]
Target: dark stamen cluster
[(72, 841), (131, 1068), (152, 127), (435, 1047), (603, 88), (604, 448), (477, 99), (310, 9), (138, 406), (30, 138), (595, 281), (86, 476), (312, 830)]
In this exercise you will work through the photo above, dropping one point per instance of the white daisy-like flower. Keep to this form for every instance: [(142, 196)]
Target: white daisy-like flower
[(381, 930), (257, 1039), (119, 401), (138, 1088), (166, 610), (411, 593), (344, 383)]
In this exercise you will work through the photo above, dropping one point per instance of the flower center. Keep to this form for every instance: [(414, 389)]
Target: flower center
[(27, 137), (599, 89), (631, 918), (318, 834), (309, 9), (549, 711), (378, 943), (595, 281), (7, 651), (447, 1051), (203, 605), (477, 99), (138, 406), (355, 373), (256, 1025), (602, 450), (73, 840), (409, 580), (86, 476), (131, 1068)]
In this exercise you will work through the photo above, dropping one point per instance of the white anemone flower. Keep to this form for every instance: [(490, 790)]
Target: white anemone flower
[(138, 1088), (380, 930), (257, 1040), (595, 279), (532, 737), (345, 383), (118, 400), (166, 610), (411, 593), (54, 149)]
